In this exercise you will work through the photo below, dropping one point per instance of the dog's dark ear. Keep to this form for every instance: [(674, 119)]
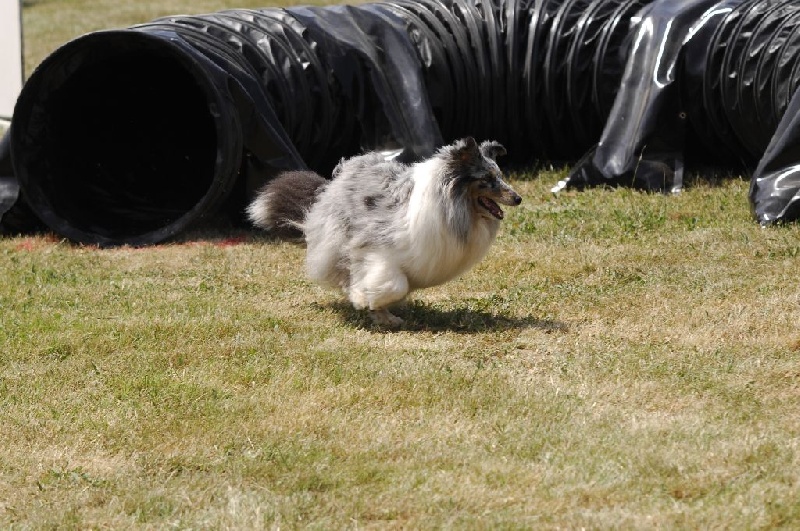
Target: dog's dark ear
[(467, 150), (492, 150)]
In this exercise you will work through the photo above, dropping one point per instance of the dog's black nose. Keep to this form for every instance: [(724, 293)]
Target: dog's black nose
[(517, 199)]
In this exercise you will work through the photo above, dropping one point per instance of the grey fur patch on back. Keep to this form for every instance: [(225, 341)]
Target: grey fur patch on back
[(367, 196)]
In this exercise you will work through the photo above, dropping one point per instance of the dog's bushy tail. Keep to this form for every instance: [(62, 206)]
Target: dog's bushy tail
[(281, 205)]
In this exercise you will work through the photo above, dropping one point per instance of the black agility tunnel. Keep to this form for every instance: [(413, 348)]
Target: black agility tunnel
[(132, 136)]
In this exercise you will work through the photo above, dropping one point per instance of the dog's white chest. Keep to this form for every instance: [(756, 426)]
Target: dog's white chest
[(433, 254)]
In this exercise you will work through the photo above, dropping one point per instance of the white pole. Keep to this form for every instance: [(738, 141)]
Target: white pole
[(11, 70)]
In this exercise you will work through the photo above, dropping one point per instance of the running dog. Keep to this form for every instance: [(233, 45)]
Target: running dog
[(381, 229)]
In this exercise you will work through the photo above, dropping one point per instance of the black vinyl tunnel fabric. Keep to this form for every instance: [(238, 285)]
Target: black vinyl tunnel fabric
[(132, 136), (710, 84)]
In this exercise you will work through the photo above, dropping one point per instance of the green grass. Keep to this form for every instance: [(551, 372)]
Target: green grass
[(619, 360)]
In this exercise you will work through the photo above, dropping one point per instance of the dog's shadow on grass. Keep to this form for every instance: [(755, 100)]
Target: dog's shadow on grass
[(420, 317)]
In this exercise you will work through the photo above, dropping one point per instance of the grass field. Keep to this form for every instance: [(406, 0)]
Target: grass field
[(619, 360)]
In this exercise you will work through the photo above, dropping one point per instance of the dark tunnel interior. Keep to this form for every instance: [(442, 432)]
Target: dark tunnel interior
[(125, 145)]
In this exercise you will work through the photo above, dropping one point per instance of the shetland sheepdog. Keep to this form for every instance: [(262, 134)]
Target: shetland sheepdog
[(380, 229)]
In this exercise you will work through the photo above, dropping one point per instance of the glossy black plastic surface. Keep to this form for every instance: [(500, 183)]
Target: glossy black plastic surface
[(133, 136)]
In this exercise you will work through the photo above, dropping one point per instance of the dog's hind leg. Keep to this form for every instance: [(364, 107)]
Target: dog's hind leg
[(377, 284)]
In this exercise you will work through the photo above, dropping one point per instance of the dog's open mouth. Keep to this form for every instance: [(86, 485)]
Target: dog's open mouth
[(491, 206)]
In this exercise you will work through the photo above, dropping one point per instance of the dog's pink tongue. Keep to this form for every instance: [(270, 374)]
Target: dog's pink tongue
[(492, 207)]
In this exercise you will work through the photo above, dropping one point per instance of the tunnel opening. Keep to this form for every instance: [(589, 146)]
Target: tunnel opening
[(120, 142)]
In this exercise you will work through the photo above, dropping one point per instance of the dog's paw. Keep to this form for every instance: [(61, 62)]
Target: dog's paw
[(384, 317)]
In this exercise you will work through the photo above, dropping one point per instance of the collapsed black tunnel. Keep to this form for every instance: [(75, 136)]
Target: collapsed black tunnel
[(132, 136)]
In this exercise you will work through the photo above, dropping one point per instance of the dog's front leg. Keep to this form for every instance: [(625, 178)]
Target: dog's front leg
[(383, 317), (375, 285)]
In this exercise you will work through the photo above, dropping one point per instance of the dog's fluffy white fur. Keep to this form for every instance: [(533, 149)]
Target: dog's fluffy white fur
[(381, 229)]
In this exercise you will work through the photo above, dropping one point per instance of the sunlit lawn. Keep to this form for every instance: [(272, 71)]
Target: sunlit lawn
[(619, 360)]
